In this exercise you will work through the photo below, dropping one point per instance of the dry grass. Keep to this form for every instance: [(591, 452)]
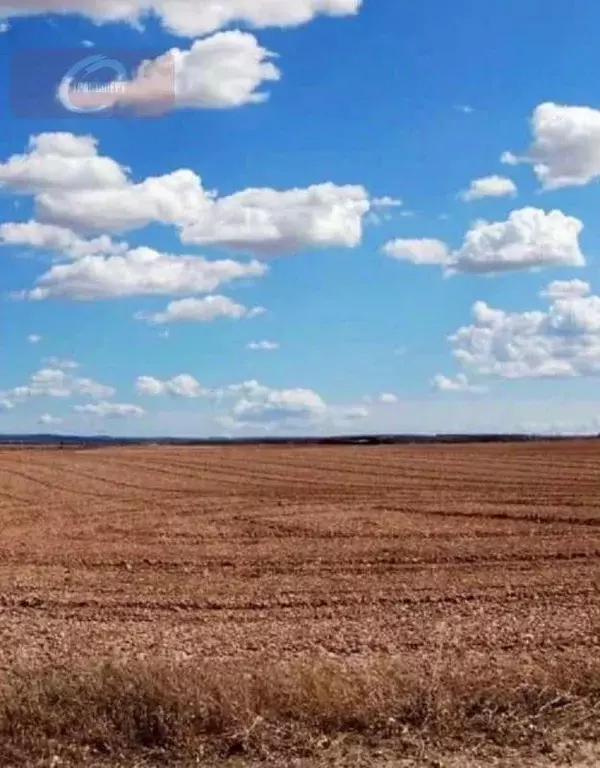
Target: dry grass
[(293, 709)]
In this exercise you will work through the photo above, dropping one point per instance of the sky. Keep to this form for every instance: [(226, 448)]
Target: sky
[(251, 217)]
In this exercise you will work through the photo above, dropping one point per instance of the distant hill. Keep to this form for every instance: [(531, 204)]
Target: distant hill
[(102, 440)]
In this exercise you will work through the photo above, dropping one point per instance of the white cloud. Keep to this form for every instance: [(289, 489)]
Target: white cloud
[(58, 362), (56, 382), (139, 272), (561, 428), (566, 289), (424, 251), (202, 310), (562, 342), (184, 385), (266, 407), (251, 388), (251, 405), (223, 71), (110, 410), (508, 158), (460, 383), (566, 145), (4, 27), (174, 199), (188, 18), (150, 386), (266, 346), (386, 202), (60, 161), (33, 234), (75, 188), (489, 186), (270, 222), (33, 338), (466, 109), (47, 420), (347, 416), (380, 210), (529, 239), (388, 398)]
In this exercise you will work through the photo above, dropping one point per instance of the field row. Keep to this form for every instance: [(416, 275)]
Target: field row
[(227, 552)]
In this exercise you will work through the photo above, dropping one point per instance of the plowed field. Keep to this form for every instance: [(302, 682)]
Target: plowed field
[(276, 552)]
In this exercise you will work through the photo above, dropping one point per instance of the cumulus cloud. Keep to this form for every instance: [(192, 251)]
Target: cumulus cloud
[(460, 383), (33, 338), (59, 240), (105, 410), (47, 420), (421, 252), (223, 71), (489, 186), (184, 385), (56, 382), (529, 239), (264, 346), (250, 404), (387, 398), (188, 18), (60, 161), (261, 406), (269, 221), (174, 199), (200, 311), (77, 189), (150, 386), (566, 145), (561, 342), (139, 272), (566, 289)]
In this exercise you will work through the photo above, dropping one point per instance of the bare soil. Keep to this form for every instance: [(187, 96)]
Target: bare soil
[(245, 556)]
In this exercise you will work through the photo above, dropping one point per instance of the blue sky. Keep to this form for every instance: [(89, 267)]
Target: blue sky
[(359, 285)]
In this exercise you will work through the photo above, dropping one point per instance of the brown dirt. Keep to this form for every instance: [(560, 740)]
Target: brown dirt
[(272, 553)]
